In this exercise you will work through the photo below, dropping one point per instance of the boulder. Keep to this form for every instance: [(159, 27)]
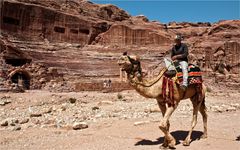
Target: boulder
[(79, 125)]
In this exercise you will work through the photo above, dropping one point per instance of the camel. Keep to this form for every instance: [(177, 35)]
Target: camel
[(153, 89)]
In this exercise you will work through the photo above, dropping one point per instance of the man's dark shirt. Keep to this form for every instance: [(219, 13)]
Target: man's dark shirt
[(181, 50)]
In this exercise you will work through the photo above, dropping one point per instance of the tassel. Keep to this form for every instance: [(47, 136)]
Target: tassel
[(168, 97), (170, 92), (199, 86), (164, 84)]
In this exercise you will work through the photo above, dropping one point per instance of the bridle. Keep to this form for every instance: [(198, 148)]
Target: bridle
[(149, 85), (132, 71)]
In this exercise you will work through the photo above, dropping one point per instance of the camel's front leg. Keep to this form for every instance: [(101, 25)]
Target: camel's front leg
[(163, 109), (196, 106), (165, 128)]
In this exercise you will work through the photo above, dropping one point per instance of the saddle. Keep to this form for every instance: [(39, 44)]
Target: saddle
[(176, 76), (194, 74)]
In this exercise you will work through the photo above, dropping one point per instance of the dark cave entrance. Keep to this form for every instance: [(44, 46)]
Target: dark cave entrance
[(17, 62), (21, 78), (10, 20)]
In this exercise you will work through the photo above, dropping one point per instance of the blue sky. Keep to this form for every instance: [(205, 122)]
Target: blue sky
[(179, 10)]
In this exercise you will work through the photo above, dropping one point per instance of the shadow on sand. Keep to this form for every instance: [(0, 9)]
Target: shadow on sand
[(178, 135), (238, 138)]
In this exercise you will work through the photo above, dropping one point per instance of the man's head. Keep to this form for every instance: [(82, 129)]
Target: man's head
[(178, 39)]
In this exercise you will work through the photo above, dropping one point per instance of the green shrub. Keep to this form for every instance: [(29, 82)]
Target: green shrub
[(119, 96)]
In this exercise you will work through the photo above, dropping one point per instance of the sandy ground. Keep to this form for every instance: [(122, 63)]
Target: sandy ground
[(111, 119)]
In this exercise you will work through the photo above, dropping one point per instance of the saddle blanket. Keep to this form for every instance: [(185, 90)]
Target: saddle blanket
[(194, 74)]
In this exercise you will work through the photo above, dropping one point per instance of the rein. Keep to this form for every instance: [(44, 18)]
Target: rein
[(159, 77)]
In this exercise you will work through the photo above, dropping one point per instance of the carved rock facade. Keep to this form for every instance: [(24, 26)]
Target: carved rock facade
[(76, 43)]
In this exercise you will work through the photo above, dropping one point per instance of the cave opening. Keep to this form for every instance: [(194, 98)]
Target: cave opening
[(17, 62), (75, 31), (84, 31), (22, 79), (59, 29), (10, 20)]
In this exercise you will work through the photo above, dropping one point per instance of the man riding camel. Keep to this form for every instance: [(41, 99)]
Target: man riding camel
[(179, 53)]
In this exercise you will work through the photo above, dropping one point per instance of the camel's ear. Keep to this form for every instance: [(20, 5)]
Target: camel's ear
[(125, 53)]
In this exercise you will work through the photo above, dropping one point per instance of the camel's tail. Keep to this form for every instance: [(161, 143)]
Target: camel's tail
[(203, 105), (200, 95), (204, 90)]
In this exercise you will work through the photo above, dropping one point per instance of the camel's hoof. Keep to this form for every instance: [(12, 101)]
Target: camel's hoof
[(204, 136), (168, 147), (165, 144), (163, 147), (172, 146), (186, 143)]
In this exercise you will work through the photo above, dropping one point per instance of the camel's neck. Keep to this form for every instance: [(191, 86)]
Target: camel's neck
[(150, 89)]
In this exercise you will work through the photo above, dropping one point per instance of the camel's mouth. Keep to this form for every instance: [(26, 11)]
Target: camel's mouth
[(124, 63), (122, 67), (120, 64)]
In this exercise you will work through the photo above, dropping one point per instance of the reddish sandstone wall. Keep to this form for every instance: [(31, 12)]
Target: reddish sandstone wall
[(83, 41), (33, 22)]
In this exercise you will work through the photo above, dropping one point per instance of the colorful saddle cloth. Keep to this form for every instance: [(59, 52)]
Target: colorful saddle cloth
[(194, 77), (194, 74)]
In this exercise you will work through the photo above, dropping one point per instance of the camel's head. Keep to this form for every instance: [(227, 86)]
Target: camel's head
[(130, 64), (124, 62)]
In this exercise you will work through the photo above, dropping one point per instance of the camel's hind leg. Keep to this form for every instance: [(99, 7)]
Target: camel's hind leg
[(203, 111), (196, 105)]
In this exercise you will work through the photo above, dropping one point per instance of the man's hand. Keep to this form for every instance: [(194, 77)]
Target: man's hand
[(174, 57)]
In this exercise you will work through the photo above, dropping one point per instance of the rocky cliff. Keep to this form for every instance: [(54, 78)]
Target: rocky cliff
[(74, 44)]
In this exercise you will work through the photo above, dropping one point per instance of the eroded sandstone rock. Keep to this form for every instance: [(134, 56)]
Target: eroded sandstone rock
[(74, 45)]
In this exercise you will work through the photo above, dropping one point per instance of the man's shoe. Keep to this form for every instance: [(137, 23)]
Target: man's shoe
[(183, 87)]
